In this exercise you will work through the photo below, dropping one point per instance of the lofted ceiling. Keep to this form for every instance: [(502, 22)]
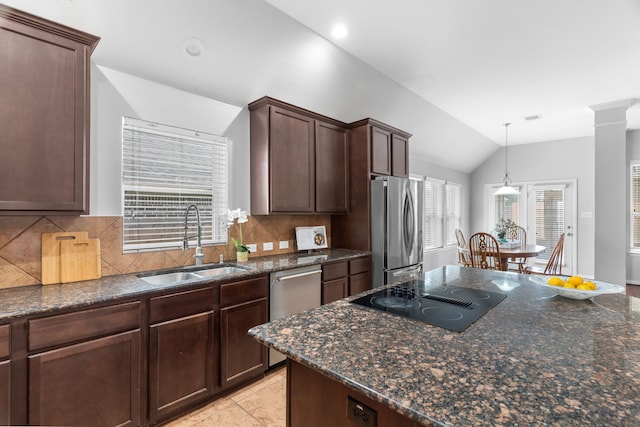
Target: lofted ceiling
[(484, 62), (488, 62)]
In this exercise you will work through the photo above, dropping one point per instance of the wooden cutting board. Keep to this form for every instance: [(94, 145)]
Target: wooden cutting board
[(51, 253), (80, 260)]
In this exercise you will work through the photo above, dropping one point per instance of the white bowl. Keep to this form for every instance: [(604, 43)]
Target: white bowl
[(601, 288)]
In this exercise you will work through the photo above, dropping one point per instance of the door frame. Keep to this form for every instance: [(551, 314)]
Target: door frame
[(524, 187)]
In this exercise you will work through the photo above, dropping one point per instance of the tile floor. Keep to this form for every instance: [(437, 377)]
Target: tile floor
[(262, 403)]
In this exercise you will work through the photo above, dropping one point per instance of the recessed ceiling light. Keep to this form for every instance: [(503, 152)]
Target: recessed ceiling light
[(339, 31), (534, 117)]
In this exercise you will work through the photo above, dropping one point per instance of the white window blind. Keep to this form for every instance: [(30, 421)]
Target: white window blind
[(635, 205), (549, 217), (164, 170), (453, 211), (433, 213)]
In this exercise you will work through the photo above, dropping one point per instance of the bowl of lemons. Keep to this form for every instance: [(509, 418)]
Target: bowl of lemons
[(575, 287)]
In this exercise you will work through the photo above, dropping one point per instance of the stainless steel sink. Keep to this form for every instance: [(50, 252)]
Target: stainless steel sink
[(219, 271), (193, 274), (167, 278)]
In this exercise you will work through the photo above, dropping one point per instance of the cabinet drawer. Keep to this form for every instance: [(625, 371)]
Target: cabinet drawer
[(334, 271), (246, 290), (183, 304), (82, 325), (4, 341), (360, 265)]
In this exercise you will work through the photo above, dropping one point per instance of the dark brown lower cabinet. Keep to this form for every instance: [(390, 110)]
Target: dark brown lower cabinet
[(334, 290), (316, 400), (5, 392), (243, 305), (93, 383), (180, 363), (5, 375), (242, 357)]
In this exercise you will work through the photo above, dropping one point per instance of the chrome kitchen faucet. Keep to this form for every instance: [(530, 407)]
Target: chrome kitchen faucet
[(185, 241)]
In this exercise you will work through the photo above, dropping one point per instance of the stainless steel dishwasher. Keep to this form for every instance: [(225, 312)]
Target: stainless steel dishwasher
[(293, 291)]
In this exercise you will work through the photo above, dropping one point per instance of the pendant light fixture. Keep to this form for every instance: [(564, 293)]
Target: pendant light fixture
[(506, 189)]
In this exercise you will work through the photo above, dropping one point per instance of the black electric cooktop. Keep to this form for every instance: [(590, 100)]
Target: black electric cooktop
[(446, 306)]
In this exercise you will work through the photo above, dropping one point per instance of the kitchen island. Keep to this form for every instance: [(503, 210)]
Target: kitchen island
[(534, 359)]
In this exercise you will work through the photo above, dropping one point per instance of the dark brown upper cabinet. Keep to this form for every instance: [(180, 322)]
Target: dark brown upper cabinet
[(299, 160), (375, 149), (44, 115)]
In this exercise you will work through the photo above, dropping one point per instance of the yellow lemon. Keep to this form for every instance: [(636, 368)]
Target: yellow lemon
[(575, 280), (569, 285), (584, 287), (591, 285), (555, 281)]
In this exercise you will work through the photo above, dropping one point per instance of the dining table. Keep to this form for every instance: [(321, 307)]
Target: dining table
[(522, 251)]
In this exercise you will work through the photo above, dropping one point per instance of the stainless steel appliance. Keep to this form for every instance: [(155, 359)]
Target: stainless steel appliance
[(396, 229), (447, 306), (293, 291)]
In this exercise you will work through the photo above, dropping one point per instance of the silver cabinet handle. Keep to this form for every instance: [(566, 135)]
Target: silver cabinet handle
[(295, 276)]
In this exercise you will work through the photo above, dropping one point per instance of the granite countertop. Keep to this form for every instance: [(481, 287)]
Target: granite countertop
[(534, 359), (33, 300)]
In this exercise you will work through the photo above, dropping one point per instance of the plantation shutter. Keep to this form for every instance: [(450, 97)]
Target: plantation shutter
[(164, 170), (453, 200), (549, 217), (433, 213), (635, 205)]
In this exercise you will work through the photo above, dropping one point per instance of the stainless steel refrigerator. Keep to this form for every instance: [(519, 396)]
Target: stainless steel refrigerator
[(396, 229)]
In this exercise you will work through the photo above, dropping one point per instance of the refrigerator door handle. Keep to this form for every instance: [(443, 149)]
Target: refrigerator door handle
[(406, 272), (408, 220)]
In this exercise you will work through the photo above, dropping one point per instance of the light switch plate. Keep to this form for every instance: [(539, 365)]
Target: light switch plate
[(284, 244), (253, 248), (268, 246)]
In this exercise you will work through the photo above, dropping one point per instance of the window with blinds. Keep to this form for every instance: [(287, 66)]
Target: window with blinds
[(549, 217), (453, 212), (433, 213), (635, 205), (164, 170), (507, 206), (442, 213)]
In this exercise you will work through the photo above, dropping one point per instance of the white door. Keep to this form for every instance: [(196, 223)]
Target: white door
[(551, 211)]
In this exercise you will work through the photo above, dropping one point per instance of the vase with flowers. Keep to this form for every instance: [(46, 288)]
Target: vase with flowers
[(503, 227), (242, 252)]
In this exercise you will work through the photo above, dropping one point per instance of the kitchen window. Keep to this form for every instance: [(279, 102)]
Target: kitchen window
[(442, 212), (164, 170), (635, 206)]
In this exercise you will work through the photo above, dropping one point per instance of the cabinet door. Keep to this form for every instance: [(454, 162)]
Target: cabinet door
[(334, 290), (359, 283), (94, 383), (181, 363), (399, 156), (332, 169), (44, 118), (5, 393), (292, 162), (242, 357), (380, 151)]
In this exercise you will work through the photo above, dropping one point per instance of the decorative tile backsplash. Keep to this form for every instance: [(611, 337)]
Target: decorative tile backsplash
[(20, 243)]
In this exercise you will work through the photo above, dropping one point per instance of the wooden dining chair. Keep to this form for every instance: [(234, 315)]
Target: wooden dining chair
[(463, 253), (554, 265), (520, 234), (485, 252)]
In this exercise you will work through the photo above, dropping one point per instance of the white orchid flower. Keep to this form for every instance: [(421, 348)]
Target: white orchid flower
[(242, 216)]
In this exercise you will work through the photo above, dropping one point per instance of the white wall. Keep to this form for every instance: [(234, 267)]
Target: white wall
[(545, 161), (114, 95)]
